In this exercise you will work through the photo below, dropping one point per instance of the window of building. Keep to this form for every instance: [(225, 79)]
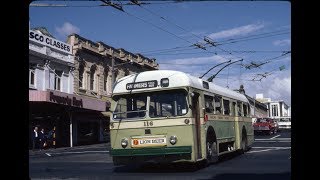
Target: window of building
[(57, 80), (81, 71), (217, 104), (92, 77), (208, 100), (105, 80), (226, 107), (274, 110), (32, 76)]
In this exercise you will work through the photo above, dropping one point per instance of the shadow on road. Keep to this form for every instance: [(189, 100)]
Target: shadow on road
[(159, 168), (278, 176), (172, 168)]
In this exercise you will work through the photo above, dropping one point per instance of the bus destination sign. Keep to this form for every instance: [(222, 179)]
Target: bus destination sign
[(142, 85)]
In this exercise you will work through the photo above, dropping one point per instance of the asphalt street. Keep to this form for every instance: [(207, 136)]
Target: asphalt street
[(269, 158)]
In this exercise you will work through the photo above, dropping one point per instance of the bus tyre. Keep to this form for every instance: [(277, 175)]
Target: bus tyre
[(244, 144), (212, 152)]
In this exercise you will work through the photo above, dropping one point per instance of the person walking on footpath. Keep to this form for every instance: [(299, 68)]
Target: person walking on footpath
[(42, 139), (35, 138)]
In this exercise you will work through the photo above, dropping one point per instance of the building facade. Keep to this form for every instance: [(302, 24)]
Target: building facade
[(93, 66), (97, 67), (53, 105), (277, 109)]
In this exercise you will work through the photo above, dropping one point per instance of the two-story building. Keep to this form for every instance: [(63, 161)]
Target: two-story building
[(97, 67), (277, 109), (53, 105)]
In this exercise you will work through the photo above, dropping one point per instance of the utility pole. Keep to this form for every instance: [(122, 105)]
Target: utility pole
[(213, 76), (254, 107), (112, 70)]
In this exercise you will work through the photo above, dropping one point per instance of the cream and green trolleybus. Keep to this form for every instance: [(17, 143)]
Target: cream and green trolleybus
[(167, 116)]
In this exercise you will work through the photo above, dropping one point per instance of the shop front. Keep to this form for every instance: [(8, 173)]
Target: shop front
[(68, 119)]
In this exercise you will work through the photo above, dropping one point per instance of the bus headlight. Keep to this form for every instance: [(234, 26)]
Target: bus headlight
[(173, 140), (124, 142)]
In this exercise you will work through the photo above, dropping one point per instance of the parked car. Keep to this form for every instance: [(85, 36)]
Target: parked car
[(285, 123), (266, 126)]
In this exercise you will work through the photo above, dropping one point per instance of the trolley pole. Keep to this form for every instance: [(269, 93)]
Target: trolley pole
[(213, 76)]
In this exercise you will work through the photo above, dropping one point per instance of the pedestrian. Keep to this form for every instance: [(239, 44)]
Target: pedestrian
[(42, 139), (35, 138)]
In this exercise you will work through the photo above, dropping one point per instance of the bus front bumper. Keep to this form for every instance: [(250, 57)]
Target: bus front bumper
[(143, 155)]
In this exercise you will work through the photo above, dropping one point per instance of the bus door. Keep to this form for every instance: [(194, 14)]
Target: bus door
[(196, 115)]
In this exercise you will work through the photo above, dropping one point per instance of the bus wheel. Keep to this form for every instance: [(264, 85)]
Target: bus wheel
[(212, 152), (244, 143)]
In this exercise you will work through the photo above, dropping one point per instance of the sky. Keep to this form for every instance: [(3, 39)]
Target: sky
[(174, 33)]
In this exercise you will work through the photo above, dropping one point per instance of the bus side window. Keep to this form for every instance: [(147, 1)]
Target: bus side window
[(208, 103), (239, 108), (245, 110), (233, 110), (226, 107), (217, 104)]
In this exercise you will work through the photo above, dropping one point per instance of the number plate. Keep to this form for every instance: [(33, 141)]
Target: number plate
[(149, 141)]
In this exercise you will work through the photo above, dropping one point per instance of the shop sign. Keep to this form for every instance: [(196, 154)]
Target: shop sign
[(66, 100), (51, 42)]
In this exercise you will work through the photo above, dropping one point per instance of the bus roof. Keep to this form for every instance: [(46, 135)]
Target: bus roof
[(176, 79)]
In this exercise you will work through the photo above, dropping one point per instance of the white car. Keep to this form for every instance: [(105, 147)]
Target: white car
[(284, 123)]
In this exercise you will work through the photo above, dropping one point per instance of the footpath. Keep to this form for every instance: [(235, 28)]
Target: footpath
[(93, 147)]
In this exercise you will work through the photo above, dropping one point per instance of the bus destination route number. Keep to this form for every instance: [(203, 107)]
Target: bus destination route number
[(142, 85)]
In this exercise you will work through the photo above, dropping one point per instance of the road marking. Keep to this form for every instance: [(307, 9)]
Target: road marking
[(268, 147), (271, 141), (275, 136), (81, 152), (264, 150), (284, 138)]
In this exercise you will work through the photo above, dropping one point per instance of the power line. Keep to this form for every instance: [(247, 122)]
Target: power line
[(253, 35), (100, 5), (252, 38), (165, 52), (197, 45), (181, 48), (206, 39), (165, 19)]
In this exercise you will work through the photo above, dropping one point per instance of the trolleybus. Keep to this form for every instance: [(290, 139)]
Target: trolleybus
[(168, 116)]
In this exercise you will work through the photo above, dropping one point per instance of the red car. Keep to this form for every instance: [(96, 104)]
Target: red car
[(265, 125)]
